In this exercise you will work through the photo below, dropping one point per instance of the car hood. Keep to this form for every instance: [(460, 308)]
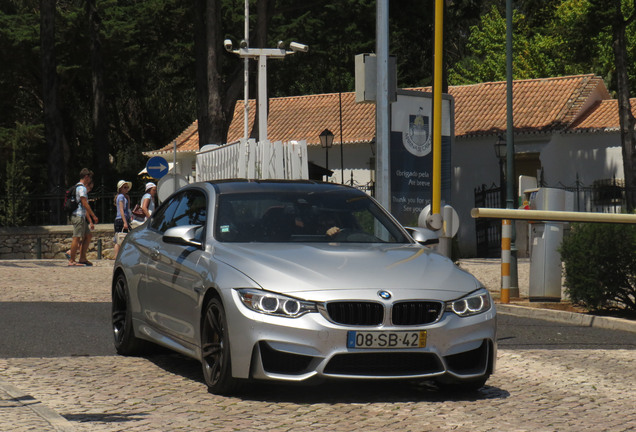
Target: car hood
[(293, 268)]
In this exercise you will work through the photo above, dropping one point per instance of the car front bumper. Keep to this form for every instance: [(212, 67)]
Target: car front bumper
[(312, 347)]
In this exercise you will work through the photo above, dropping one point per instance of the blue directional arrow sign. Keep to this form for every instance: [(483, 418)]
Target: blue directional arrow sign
[(157, 167)]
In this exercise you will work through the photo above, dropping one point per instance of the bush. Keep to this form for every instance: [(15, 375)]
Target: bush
[(600, 266)]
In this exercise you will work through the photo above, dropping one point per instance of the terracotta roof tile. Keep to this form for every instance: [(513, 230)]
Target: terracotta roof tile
[(603, 116), (305, 117), (540, 105)]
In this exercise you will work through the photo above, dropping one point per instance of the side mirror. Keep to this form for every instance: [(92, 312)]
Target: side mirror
[(423, 236), (184, 235)]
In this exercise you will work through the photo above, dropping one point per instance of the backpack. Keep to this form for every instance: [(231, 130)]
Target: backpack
[(70, 200)]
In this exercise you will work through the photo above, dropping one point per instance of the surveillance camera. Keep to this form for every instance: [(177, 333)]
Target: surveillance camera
[(280, 45), (228, 45), (298, 47), (243, 44)]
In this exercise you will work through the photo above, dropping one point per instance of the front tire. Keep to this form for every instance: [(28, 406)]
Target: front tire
[(215, 350), (126, 343)]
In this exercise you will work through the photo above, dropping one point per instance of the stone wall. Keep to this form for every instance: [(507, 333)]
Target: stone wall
[(50, 242)]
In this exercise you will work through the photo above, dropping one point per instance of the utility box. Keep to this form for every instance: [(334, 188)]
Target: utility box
[(366, 78), (545, 240)]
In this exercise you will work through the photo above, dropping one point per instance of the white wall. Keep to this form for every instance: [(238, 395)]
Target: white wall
[(591, 156), (356, 162), (474, 163)]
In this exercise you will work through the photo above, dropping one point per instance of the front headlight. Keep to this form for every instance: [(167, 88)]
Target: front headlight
[(275, 304), (473, 304)]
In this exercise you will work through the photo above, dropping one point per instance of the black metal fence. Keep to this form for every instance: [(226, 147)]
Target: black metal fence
[(488, 230), (603, 196), (46, 209)]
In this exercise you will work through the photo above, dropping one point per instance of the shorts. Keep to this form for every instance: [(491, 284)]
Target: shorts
[(80, 226)]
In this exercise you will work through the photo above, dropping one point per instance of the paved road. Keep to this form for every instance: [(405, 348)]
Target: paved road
[(532, 389)]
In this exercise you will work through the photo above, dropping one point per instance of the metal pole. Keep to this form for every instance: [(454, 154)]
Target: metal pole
[(262, 98), (341, 149), (174, 167), (246, 75), (502, 184), (506, 234), (382, 104), (510, 153), (553, 216), (437, 108)]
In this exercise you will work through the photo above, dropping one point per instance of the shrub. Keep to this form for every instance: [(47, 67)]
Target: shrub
[(600, 266)]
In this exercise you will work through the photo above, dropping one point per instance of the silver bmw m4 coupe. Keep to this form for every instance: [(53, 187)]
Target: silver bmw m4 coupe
[(298, 281)]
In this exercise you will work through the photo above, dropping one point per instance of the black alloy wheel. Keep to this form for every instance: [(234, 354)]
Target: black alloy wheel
[(215, 350), (124, 337)]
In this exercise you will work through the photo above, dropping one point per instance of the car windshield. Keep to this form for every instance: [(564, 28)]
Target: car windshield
[(331, 216)]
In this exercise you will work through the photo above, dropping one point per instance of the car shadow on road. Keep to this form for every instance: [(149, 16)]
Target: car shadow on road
[(105, 417), (331, 392)]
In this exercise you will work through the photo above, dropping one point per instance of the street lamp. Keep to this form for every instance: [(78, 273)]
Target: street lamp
[(501, 151), (326, 141), (262, 54)]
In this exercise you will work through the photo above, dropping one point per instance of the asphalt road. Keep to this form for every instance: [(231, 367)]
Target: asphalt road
[(515, 332), (57, 329)]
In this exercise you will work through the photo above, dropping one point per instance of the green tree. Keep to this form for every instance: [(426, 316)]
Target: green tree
[(20, 153), (600, 270), (126, 70), (619, 17)]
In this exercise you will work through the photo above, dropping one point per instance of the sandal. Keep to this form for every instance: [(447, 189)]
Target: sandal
[(86, 263), (67, 255), (75, 264)]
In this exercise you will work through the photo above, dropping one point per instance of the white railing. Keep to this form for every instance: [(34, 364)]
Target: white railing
[(253, 160)]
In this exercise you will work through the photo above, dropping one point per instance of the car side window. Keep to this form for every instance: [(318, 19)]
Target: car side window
[(192, 209), (162, 219), (188, 208)]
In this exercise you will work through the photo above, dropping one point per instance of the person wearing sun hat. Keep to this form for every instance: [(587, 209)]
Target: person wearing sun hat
[(147, 203), (148, 200), (124, 216)]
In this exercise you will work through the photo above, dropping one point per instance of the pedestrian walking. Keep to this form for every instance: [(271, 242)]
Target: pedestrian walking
[(89, 220), (148, 202), (80, 219), (124, 216)]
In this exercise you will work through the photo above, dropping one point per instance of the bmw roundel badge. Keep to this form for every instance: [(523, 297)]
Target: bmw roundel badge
[(384, 295)]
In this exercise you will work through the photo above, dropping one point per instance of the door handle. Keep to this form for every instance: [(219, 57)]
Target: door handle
[(154, 254)]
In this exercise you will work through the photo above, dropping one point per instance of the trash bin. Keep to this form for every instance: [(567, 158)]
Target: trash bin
[(545, 241)]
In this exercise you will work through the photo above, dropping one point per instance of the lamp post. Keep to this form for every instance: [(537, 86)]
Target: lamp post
[(326, 141), (501, 151), (262, 54)]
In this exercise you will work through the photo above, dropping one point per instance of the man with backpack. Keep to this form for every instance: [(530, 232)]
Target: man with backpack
[(80, 218)]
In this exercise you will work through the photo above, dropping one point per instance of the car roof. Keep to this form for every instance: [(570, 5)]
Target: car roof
[(260, 186)]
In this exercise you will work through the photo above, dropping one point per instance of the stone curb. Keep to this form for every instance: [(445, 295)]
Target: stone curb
[(37, 408), (574, 318)]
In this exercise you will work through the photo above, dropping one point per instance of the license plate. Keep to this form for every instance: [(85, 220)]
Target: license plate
[(383, 339)]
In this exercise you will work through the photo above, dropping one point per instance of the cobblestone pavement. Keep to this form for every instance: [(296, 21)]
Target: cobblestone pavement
[(53, 281), (531, 390)]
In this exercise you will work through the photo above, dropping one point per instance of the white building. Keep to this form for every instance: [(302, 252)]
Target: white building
[(566, 130)]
